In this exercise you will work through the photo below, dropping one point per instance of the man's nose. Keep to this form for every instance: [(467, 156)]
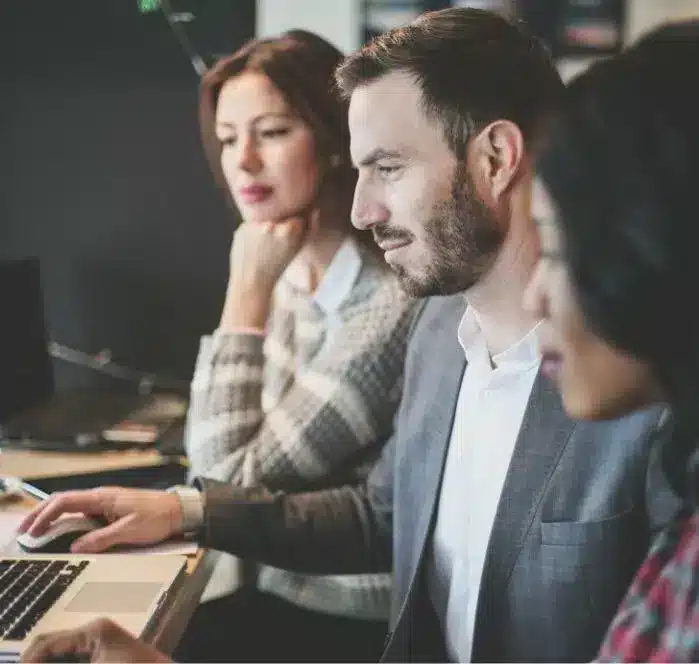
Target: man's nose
[(366, 209)]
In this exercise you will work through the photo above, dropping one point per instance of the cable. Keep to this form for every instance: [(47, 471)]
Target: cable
[(175, 21), (102, 363)]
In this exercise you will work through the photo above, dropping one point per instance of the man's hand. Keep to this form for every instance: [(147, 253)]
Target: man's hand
[(101, 641), (133, 516)]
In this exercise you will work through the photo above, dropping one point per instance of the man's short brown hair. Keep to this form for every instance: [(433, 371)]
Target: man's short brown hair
[(473, 67)]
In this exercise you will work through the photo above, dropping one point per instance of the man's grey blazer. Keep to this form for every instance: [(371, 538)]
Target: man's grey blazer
[(578, 508)]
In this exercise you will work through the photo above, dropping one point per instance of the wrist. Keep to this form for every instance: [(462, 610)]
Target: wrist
[(246, 309)]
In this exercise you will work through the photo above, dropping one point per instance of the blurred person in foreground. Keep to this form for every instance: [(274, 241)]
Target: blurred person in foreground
[(617, 285)]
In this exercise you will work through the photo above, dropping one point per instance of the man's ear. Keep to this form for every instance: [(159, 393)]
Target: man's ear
[(498, 153)]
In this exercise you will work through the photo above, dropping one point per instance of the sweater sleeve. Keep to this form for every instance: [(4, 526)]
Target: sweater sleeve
[(337, 405), (346, 530)]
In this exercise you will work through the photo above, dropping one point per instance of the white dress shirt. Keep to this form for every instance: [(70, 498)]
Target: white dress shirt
[(489, 412), (334, 288)]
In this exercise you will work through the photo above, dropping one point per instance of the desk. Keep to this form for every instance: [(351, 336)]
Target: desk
[(34, 464)]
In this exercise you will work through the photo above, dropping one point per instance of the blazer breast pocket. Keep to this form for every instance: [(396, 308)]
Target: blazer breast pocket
[(596, 558), (577, 573), (585, 533), (616, 540)]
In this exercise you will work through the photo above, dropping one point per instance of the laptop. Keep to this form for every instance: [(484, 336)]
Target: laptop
[(45, 593), (32, 414)]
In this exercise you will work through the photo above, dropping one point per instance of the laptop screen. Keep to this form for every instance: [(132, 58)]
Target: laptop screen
[(26, 374)]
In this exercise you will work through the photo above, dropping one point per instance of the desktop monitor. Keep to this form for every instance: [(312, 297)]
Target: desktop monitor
[(26, 372)]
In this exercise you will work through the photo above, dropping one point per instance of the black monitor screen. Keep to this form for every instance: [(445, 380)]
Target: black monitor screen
[(26, 375)]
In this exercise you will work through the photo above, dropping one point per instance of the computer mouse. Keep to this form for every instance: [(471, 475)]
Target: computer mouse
[(60, 535)]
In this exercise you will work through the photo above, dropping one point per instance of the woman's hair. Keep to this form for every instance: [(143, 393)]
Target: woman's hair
[(622, 163), (301, 66)]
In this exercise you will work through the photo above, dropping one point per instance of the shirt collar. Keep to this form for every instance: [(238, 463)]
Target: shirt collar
[(524, 352), (337, 282), (469, 334)]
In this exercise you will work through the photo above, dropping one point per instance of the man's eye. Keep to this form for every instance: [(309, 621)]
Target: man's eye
[(228, 141), (387, 170)]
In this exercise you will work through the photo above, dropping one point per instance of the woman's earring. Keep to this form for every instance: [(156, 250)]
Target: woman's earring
[(335, 161)]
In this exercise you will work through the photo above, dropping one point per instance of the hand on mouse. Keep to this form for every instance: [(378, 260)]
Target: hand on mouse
[(101, 640), (134, 516)]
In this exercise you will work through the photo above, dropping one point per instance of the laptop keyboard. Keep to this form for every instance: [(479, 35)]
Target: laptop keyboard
[(29, 588)]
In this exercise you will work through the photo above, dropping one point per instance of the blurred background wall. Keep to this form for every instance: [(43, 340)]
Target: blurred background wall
[(103, 178), (101, 171), (336, 20), (340, 21)]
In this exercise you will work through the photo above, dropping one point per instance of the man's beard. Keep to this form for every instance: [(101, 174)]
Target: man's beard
[(462, 237)]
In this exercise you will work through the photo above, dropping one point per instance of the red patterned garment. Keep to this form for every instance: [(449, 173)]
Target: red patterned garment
[(658, 621)]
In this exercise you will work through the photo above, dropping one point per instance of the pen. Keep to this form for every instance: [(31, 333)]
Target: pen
[(34, 491), (12, 484)]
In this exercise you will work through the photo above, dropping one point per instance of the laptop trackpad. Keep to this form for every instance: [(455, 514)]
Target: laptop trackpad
[(113, 597)]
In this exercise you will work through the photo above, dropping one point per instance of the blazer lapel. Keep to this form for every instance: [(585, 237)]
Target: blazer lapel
[(542, 438), (443, 379), (438, 425)]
